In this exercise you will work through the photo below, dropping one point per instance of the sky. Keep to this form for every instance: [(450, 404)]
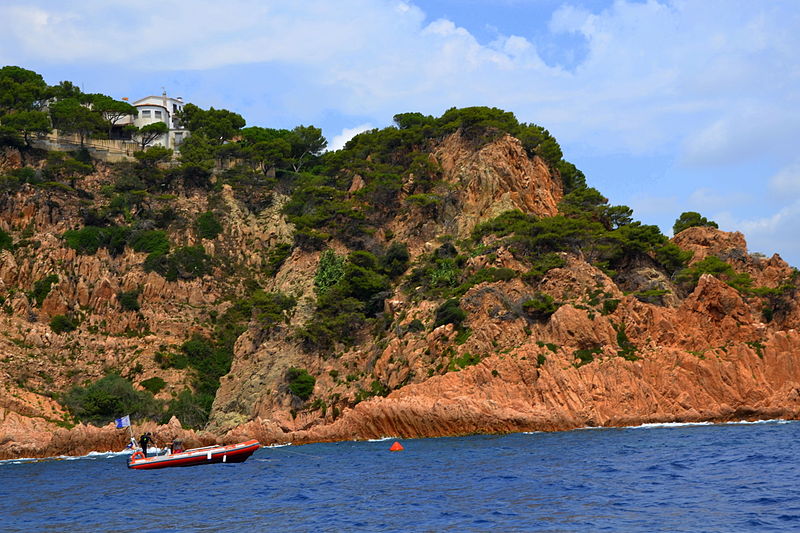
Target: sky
[(666, 105)]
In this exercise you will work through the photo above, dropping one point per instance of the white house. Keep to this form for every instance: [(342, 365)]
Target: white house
[(159, 109)]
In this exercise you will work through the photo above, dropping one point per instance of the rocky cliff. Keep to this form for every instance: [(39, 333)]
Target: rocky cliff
[(575, 344)]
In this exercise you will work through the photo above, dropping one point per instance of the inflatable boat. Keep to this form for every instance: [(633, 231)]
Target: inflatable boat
[(233, 453)]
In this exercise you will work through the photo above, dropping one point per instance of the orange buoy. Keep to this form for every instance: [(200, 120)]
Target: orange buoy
[(396, 447)]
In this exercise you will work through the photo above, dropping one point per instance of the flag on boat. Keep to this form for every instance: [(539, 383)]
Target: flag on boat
[(123, 422)]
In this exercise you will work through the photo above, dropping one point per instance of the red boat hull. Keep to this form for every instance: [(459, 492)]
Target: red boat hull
[(234, 453)]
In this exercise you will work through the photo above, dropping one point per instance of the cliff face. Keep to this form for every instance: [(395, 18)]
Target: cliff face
[(483, 183), (604, 357), (705, 361)]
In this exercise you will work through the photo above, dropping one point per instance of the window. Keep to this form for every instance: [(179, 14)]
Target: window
[(146, 113), (157, 114)]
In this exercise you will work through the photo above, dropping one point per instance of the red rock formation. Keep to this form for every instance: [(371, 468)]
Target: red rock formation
[(602, 358)]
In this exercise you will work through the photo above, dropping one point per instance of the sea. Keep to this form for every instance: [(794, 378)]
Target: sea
[(658, 477)]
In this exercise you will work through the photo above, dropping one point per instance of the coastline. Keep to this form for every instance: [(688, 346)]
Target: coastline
[(651, 425)]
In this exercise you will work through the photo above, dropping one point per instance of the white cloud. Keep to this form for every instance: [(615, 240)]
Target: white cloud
[(777, 232), (787, 180), (340, 140), (713, 83), (706, 199)]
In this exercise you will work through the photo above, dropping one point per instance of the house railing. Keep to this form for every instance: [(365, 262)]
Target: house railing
[(106, 149)]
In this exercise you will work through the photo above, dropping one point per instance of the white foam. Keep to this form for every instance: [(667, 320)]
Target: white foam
[(669, 425), (382, 439), (658, 425), (91, 455), (689, 424)]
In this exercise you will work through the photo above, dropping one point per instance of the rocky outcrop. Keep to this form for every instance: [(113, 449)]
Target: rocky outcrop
[(480, 184), (731, 247), (512, 393), (708, 360), (496, 178)]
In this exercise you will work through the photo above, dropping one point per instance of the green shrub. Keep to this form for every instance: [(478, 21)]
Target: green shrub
[(108, 398), (378, 388), (415, 326), (158, 262), (152, 155), (211, 360), (424, 200), (329, 271), (153, 385), (652, 296), (187, 262), (541, 265), (309, 239), (190, 408), (150, 241), (191, 262), (718, 268), (208, 226), (91, 238), (335, 320), (758, 347), (463, 361), (491, 275), (301, 383), (449, 313), (62, 324), (586, 355), (672, 257), (268, 308), (129, 301), (171, 360), (6, 242), (41, 288), (540, 306), (395, 261), (690, 219), (435, 275), (276, 256), (627, 349)]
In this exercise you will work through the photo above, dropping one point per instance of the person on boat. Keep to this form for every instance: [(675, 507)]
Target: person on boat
[(144, 441), (176, 446)]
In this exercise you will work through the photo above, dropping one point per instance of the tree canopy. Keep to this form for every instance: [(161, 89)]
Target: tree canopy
[(217, 125), (72, 116), (112, 110), (690, 219), (21, 90), (149, 133)]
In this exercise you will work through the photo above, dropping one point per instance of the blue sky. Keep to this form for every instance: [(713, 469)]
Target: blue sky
[(666, 105)]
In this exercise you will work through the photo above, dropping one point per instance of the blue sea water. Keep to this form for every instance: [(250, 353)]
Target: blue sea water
[(728, 477)]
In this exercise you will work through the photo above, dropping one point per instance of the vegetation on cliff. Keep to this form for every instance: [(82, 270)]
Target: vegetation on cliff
[(307, 268)]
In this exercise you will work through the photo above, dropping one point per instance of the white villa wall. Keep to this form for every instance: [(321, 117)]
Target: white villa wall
[(159, 109)]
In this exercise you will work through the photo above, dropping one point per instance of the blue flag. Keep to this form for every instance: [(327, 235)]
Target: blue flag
[(123, 422)]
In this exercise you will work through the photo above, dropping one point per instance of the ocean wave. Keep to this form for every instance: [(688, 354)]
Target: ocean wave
[(689, 424), (91, 456), (653, 425), (383, 439)]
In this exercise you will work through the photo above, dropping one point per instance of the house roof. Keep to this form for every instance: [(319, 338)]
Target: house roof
[(160, 98), (151, 105)]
